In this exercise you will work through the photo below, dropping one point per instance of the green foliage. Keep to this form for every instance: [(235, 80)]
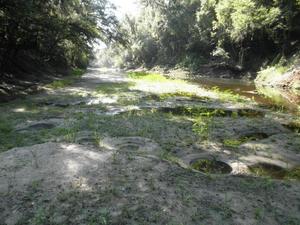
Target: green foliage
[(113, 88), (228, 95), (5, 126), (59, 32), (76, 72), (152, 77), (60, 84), (233, 143), (103, 218), (211, 166), (293, 174), (204, 165), (203, 127), (278, 67), (39, 218), (192, 33), (181, 94), (266, 170)]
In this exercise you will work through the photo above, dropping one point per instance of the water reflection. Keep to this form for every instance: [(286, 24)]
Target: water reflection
[(265, 96)]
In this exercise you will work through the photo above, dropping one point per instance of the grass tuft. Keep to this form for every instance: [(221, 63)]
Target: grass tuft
[(75, 73), (150, 77)]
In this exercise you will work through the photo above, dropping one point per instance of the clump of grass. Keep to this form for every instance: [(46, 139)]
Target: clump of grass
[(151, 77), (193, 111), (293, 174), (7, 137), (276, 172), (259, 213), (270, 72), (5, 126), (181, 94), (203, 126), (39, 218), (204, 165), (228, 95), (279, 67), (75, 73), (170, 157), (60, 84), (103, 218), (233, 143), (10, 138), (113, 88), (294, 125)]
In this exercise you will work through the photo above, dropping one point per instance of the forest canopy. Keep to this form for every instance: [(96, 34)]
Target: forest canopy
[(242, 33), (60, 32)]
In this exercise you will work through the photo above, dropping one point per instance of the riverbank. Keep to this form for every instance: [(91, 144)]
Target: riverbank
[(267, 96), (284, 75), (213, 71), (289, 80)]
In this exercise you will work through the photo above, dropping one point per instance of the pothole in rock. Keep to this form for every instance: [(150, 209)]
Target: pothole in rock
[(85, 137), (268, 170), (251, 113), (211, 166), (37, 127), (112, 111), (62, 104), (41, 126), (204, 111), (129, 147), (129, 144)]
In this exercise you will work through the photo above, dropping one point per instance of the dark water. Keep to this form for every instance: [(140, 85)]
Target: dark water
[(268, 97)]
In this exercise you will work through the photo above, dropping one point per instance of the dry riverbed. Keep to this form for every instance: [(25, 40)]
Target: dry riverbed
[(140, 148)]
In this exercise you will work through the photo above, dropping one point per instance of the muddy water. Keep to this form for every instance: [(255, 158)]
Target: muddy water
[(268, 97)]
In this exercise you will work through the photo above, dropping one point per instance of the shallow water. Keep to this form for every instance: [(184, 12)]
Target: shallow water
[(265, 96)]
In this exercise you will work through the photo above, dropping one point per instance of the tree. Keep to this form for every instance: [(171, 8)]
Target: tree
[(57, 31)]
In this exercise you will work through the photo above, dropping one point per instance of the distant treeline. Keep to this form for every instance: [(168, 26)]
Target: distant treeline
[(245, 34), (57, 32)]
